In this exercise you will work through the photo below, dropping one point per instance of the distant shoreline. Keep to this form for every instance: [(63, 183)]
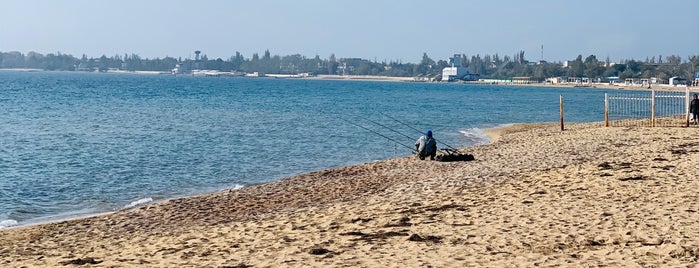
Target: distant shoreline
[(404, 79), (364, 78), (20, 70)]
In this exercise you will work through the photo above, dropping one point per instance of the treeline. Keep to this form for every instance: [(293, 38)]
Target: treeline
[(487, 66)]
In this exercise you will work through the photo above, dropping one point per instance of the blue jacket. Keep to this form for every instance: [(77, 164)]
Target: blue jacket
[(426, 145)]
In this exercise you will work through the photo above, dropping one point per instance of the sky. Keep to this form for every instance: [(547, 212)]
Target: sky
[(390, 30)]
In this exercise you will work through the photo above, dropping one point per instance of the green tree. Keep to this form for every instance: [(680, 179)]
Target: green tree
[(593, 67), (425, 66), (577, 68), (332, 64), (13, 59), (237, 60), (35, 60)]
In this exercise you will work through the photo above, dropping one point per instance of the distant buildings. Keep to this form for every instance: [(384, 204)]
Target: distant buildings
[(179, 69), (675, 81), (456, 72)]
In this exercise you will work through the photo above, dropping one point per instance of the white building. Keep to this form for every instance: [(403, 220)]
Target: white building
[(677, 81), (455, 72)]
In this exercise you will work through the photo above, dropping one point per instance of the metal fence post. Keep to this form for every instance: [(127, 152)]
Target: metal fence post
[(606, 110), (686, 105), (652, 108)]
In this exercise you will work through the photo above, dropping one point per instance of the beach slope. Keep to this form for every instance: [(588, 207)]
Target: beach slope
[(586, 196)]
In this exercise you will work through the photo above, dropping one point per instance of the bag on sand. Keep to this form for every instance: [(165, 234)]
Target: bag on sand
[(455, 157)]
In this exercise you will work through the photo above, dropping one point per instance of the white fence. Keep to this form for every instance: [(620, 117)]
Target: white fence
[(655, 108)]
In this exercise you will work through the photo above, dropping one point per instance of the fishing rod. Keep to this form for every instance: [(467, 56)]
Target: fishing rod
[(450, 147), (372, 131), (384, 126)]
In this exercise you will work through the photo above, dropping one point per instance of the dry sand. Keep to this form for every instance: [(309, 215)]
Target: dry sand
[(538, 196)]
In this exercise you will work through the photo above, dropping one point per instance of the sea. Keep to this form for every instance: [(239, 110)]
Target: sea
[(78, 144)]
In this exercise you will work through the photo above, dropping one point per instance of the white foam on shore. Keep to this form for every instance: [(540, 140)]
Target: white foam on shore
[(8, 223), (139, 202), (475, 136), (237, 186)]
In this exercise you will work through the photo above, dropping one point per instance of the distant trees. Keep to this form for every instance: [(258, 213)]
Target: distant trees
[(593, 67), (426, 66), (332, 64), (487, 66), (12, 60), (237, 60)]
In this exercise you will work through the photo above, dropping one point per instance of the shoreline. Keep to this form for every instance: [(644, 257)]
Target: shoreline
[(613, 87), (493, 134), (408, 79), (535, 195)]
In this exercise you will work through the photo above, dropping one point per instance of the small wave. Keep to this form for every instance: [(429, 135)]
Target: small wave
[(139, 202), (8, 223), (237, 186), (475, 136)]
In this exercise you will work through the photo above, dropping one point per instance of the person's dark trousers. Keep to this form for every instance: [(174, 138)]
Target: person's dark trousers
[(422, 155)]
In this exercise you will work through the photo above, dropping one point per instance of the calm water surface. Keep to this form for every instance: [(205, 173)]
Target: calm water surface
[(81, 143)]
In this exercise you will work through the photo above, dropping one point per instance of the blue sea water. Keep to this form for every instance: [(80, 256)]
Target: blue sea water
[(82, 143)]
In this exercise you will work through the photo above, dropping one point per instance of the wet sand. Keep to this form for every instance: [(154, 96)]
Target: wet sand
[(536, 196)]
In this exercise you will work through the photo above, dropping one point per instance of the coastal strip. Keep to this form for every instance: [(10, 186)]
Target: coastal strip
[(586, 196)]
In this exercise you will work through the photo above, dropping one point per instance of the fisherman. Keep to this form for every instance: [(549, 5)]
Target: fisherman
[(426, 145)]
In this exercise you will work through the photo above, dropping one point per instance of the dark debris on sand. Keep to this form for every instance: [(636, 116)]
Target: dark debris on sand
[(429, 238), (319, 251), (242, 265), (80, 261), (375, 236)]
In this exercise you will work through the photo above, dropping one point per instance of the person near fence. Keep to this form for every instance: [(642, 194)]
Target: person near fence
[(426, 145), (694, 109)]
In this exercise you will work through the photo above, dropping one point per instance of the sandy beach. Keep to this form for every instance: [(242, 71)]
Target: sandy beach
[(535, 196)]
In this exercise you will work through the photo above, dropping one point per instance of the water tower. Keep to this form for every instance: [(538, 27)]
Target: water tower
[(197, 59)]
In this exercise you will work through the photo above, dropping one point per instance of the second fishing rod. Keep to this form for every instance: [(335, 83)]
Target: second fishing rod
[(394, 119), (384, 126), (412, 149)]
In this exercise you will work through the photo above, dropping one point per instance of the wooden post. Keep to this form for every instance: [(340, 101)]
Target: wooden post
[(606, 110), (561, 101)]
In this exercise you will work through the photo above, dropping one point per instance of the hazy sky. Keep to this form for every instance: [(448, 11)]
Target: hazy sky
[(370, 29)]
